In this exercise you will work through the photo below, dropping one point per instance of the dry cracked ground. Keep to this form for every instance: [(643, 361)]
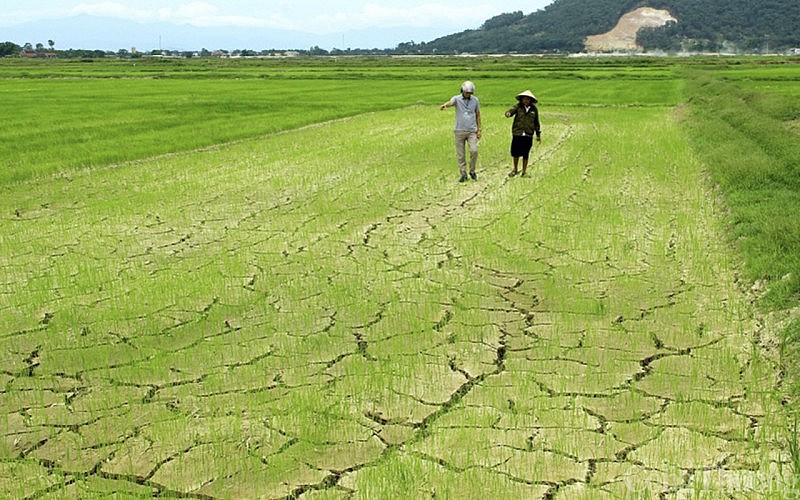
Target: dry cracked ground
[(287, 319)]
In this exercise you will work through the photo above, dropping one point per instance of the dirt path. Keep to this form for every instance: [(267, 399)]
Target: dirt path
[(378, 330)]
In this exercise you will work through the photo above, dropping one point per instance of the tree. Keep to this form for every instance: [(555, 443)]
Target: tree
[(51, 43), (317, 51), (502, 20), (9, 49)]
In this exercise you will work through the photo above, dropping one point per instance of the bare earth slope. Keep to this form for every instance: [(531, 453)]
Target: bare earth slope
[(623, 36)]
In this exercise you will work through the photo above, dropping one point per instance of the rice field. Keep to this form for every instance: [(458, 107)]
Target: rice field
[(282, 291)]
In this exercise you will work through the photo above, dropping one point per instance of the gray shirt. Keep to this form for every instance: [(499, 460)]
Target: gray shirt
[(466, 111)]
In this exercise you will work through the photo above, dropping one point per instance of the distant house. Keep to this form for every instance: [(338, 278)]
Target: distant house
[(795, 51)]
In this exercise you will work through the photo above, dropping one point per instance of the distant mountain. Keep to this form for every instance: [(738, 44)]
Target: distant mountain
[(109, 34), (700, 25)]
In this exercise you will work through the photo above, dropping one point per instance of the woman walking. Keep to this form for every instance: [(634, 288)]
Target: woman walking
[(523, 129)]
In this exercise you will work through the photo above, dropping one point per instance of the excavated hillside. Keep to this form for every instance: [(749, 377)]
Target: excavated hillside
[(623, 35)]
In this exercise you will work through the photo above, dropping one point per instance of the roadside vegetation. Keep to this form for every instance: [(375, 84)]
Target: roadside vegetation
[(261, 278)]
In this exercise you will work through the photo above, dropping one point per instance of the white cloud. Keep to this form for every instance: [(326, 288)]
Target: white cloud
[(12, 18), (110, 9), (196, 13), (321, 17), (430, 15), (192, 13), (206, 14)]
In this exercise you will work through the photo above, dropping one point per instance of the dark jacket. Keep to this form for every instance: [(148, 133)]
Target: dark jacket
[(525, 122)]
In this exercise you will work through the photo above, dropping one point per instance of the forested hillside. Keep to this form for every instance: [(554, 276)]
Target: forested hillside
[(706, 25)]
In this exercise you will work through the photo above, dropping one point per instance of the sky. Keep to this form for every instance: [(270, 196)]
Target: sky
[(191, 25)]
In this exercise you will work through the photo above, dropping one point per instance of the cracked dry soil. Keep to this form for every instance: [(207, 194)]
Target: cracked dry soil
[(228, 324)]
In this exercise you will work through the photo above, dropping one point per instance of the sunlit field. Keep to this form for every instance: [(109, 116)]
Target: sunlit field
[(261, 279)]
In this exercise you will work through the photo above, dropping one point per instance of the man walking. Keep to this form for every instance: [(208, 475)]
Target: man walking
[(467, 129)]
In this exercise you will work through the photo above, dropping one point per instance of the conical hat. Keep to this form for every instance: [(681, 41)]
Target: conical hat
[(527, 93)]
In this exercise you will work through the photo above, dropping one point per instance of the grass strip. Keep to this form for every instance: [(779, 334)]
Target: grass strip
[(749, 140), (751, 155)]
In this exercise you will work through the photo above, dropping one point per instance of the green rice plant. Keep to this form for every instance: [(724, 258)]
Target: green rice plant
[(63, 125), (315, 307), (68, 115), (793, 444), (788, 350)]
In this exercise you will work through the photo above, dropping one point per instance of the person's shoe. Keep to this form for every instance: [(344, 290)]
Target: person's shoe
[(474, 176), (463, 178), (512, 173), (523, 174)]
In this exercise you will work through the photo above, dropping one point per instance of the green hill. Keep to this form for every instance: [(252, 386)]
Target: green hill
[(702, 25)]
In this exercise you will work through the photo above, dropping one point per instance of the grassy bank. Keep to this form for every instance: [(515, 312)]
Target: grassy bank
[(744, 122)]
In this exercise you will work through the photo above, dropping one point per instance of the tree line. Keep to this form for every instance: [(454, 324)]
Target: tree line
[(11, 49)]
